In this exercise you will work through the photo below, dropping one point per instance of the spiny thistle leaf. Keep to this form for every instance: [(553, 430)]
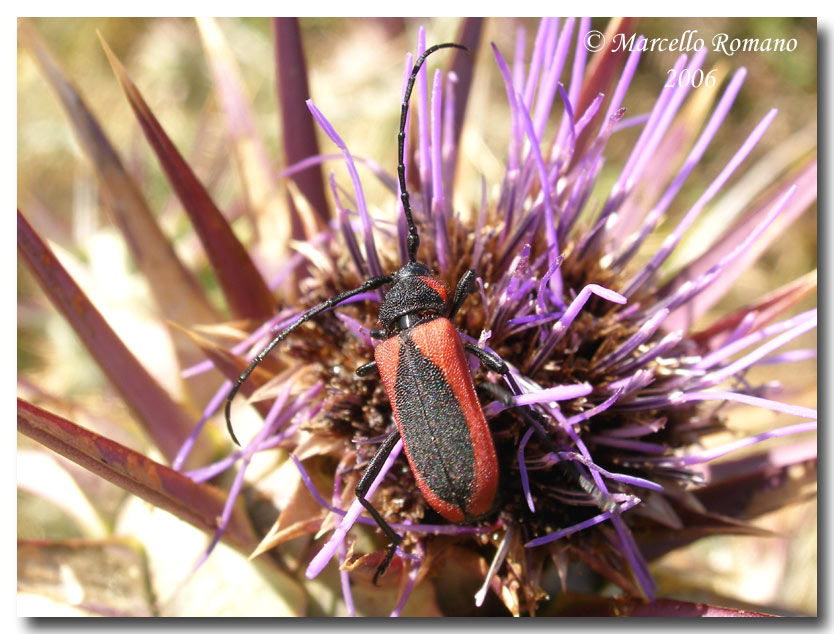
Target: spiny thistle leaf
[(231, 366), (298, 138), (243, 287), (462, 64), (752, 486), (167, 424), (196, 503), (178, 295), (763, 311), (302, 515), (278, 220)]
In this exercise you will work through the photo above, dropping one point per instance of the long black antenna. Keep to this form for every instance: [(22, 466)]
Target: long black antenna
[(374, 282), (413, 242)]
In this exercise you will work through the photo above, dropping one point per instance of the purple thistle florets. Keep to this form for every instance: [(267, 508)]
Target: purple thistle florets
[(600, 344)]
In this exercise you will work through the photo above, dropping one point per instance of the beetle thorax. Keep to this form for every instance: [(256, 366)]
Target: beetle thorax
[(414, 297)]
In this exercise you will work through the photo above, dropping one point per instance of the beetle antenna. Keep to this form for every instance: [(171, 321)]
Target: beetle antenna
[(368, 285), (413, 241)]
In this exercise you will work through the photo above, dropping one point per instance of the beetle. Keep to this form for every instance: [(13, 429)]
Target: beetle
[(422, 363)]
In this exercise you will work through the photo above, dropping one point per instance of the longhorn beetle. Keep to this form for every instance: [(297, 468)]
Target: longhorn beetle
[(423, 367)]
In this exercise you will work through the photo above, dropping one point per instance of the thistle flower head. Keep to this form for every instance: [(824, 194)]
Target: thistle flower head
[(620, 375)]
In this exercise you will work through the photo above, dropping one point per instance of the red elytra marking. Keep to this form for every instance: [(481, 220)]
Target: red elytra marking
[(436, 285), (439, 341), (446, 509), (387, 357)]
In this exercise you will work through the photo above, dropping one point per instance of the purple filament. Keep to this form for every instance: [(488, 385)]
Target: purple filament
[(723, 450), (367, 229), (733, 345), (674, 237), (561, 326), (570, 530), (689, 164)]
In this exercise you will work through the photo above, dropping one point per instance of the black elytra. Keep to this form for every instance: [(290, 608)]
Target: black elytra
[(442, 453)]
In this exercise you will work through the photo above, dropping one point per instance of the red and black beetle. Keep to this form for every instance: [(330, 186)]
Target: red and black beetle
[(423, 367)]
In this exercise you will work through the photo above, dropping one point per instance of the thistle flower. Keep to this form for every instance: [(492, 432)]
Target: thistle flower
[(613, 341)]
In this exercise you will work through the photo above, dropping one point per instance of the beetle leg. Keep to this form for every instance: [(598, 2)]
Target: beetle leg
[(496, 364), (366, 369), (464, 287), (492, 362), (534, 417), (505, 397), (362, 487)]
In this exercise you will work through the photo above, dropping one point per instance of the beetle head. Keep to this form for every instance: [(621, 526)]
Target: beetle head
[(414, 293)]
